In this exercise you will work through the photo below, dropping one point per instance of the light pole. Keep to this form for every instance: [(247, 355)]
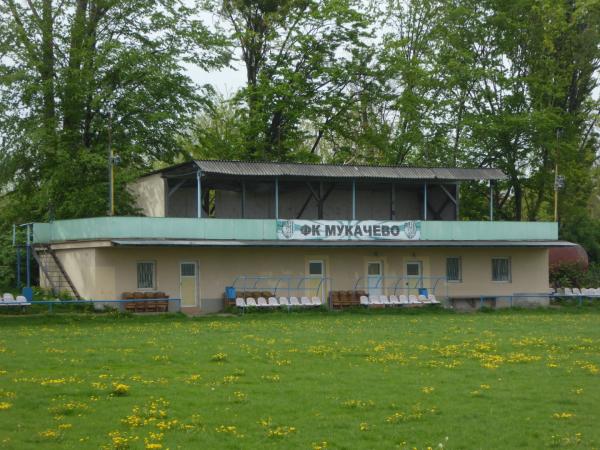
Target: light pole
[(113, 160), (559, 183), (559, 180)]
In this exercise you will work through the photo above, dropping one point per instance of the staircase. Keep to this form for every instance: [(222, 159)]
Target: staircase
[(53, 271)]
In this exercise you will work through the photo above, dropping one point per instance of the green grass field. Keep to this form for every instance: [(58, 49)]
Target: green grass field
[(309, 381)]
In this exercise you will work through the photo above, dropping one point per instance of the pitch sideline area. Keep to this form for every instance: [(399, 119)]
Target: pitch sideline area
[(507, 379)]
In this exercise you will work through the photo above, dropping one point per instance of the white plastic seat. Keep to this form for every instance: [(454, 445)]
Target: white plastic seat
[(433, 300), (262, 302), (8, 297), (413, 300), (273, 303), (305, 301), (423, 299), (294, 301), (283, 301), (316, 301), (394, 300), (375, 300), (22, 300), (403, 299), (240, 303), (364, 300), (250, 302), (576, 291), (384, 300), (568, 291)]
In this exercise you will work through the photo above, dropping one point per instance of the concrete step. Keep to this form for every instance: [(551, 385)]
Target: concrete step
[(191, 310)]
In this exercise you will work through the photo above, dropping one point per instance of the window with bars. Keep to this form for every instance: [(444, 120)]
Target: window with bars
[(453, 269), (145, 275), (501, 270)]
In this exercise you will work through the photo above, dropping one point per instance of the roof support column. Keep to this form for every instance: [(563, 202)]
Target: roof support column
[(276, 197), (320, 202), (353, 199), (393, 202), (457, 196), (491, 200), (28, 256), (243, 199), (199, 193), (424, 201)]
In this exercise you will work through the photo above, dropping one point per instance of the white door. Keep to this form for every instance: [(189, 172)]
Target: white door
[(375, 277), (414, 277), (316, 283), (188, 283)]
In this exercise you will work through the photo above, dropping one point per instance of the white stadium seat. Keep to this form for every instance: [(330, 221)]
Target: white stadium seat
[(394, 300), (262, 302), (316, 301), (433, 300), (412, 299), (568, 291), (283, 301), (403, 299), (273, 302), (250, 302), (294, 301), (240, 303), (364, 300), (384, 300), (375, 300), (305, 301)]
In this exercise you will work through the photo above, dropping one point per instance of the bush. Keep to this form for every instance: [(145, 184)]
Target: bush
[(575, 275)]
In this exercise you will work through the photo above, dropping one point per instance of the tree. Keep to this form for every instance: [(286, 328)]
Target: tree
[(300, 57), (78, 75)]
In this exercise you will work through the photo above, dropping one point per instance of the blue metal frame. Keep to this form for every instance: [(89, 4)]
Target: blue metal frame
[(433, 285), (278, 279), (52, 303)]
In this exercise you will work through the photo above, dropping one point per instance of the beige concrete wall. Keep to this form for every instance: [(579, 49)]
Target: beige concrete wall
[(80, 265), (150, 195), (115, 268), (105, 273)]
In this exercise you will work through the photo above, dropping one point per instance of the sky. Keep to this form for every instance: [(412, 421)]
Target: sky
[(225, 81)]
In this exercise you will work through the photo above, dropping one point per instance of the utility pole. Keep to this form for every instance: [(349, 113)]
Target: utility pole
[(559, 180), (113, 160), (111, 176)]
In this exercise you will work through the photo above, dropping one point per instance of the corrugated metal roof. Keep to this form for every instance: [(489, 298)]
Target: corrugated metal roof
[(269, 169)]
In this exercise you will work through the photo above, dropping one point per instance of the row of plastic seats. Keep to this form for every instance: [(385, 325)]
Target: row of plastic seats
[(585, 292), (273, 302), (9, 300), (398, 300)]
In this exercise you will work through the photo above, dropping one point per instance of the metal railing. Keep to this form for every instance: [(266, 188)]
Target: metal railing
[(52, 303), (283, 283), (394, 285)]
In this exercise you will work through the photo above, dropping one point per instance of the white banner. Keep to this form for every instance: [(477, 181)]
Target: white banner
[(348, 230)]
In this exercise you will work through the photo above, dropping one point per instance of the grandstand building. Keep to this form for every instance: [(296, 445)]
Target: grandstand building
[(299, 229)]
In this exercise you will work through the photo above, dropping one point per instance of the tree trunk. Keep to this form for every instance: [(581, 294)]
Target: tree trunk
[(73, 92), (47, 73)]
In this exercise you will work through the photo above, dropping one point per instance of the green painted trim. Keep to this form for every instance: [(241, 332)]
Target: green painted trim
[(264, 229), (488, 231)]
